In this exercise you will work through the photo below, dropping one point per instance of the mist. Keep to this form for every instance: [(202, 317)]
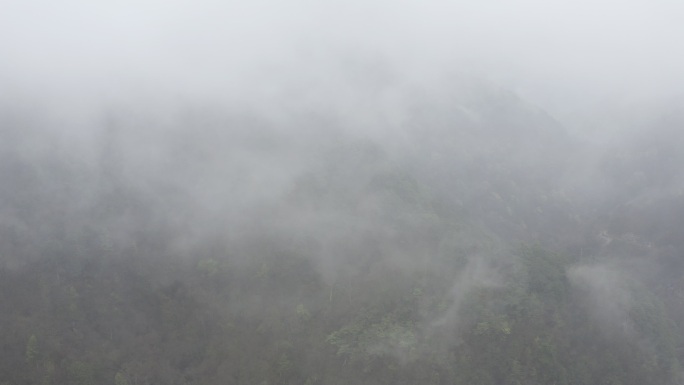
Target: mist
[(342, 192)]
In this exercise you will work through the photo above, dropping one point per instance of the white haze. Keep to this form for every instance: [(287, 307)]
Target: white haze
[(565, 56), (69, 65)]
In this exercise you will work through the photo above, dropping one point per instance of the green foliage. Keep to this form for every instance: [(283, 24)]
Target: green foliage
[(367, 339), (120, 379), (361, 274), (530, 326), (302, 313), (385, 294), (546, 273), (81, 373), (209, 267), (32, 349)]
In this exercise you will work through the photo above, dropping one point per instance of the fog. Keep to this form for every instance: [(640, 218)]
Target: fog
[(573, 53), (365, 192)]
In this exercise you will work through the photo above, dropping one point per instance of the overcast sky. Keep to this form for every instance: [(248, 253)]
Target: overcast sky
[(555, 52)]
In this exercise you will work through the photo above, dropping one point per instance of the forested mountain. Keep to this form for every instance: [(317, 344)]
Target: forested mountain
[(454, 237)]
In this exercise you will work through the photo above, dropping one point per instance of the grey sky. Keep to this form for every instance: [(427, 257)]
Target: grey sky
[(555, 52)]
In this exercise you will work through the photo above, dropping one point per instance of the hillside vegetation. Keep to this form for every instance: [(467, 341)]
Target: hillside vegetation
[(468, 240)]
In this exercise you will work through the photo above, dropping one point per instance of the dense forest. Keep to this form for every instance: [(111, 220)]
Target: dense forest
[(409, 237)]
